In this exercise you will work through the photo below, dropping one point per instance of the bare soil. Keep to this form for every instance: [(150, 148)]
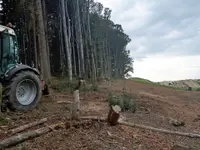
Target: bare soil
[(155, 106)]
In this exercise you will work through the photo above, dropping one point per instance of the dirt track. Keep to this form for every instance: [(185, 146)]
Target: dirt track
[(155, 106)]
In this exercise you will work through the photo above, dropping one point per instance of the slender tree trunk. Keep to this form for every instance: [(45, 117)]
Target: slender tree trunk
[(74, 52), (69, 63), (78, 46), (92, 48), (85, 29), (80, 39), (42, 42), (62, 52), (69, 28), (35, 43), (46, 34)]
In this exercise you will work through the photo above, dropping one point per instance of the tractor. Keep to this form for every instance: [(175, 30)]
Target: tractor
[(22, 86)]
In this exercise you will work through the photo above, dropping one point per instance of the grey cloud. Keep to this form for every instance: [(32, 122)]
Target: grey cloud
[(167, 16), (159, 26)]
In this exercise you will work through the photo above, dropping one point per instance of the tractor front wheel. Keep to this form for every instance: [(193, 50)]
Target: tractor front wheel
[(23, 91)]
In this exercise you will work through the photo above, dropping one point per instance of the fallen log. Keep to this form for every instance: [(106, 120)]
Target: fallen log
[(113, 119), (93, 118), (64, 102), (191, 135), (27, 126), (17, 139)]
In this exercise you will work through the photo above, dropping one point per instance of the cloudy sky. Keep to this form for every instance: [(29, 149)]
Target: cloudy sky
[(165, 36)]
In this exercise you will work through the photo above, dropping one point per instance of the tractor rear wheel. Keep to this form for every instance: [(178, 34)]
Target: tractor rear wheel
[(23, 91)]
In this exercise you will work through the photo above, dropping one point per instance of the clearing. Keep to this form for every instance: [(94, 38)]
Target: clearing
[(155, 106)]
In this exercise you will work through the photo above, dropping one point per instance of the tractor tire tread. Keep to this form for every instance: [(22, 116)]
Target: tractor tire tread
[(7, 94)]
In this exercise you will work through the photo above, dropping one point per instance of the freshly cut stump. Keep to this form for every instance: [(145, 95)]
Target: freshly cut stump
[(114, 115)]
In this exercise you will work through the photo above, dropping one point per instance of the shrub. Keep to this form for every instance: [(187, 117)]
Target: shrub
[(198, 89), (89, 88), (3, 120), (64, 85), (126, 102)]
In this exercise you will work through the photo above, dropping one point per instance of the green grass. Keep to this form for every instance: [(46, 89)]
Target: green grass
[(63, 85), (3, 120), (125, 101), (141, 80)]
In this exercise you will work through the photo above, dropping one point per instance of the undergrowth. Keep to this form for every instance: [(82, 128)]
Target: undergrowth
[(3, 120), (63, 85), (125, 101)]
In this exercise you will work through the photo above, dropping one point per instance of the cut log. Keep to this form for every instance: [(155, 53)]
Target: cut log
[(75, 105), (14, 140), (191, 135), (27, 126), (94, 118), (114, 115), (64, 102)]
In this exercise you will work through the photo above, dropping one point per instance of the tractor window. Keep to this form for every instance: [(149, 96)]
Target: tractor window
[(9, 47), (9, 51)]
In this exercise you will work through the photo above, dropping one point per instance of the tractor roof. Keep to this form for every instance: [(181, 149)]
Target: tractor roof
[(10, 31)]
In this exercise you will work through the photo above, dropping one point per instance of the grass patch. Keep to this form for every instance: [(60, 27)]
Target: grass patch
[(197, 89), (89, 88), (142, 80), (125, 101), (63, 85), (3, 120)]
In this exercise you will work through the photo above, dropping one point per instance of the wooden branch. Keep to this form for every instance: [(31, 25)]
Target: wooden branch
[(64, 102), (27, 126), (75, 105), (191, 135), (14, 140), (94, 118)]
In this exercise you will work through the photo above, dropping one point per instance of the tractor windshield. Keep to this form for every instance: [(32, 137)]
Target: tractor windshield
[(9, 51)]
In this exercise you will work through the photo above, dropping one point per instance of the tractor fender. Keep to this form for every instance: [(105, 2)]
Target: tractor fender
[(18, 68)]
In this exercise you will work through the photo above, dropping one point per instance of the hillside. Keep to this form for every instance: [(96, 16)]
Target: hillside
[(155, 106), (194, 84)]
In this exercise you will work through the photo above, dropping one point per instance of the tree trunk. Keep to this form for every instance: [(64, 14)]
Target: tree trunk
[(74, 52), (27, 126), (35, 43), (46, 34), (14, 140), (75, 105), (114, 115), (80, 39), (42, 42), (92, 48), (69, 63), (62, 52), (69, 29)]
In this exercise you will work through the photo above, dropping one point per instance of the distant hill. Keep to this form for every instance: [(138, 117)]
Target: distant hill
[(189, 84), (194, 84)]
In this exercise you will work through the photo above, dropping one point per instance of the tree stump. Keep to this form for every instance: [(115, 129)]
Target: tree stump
[(114, 115), (75, 105)]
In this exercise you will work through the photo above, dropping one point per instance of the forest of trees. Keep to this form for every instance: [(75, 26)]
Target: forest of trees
[(73, 38)]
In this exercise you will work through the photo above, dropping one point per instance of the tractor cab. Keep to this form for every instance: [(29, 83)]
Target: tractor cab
[(8, 49)]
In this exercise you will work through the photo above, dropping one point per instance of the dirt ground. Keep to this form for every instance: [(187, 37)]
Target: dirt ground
[(155, 106)]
